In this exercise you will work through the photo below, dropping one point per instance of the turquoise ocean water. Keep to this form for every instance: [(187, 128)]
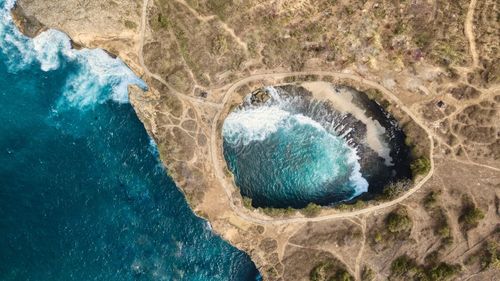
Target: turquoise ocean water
[(282, 158), (82, 193)]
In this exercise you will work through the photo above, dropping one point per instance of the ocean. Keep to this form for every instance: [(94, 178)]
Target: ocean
[(83, 195)]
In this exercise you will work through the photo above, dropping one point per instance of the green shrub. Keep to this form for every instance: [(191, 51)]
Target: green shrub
[(398, 221), (319, 271), (443, 271), (491, 257), (278, 212), (341, 275), (247, 202), (420, 166), (431, 199), (163, 21), (406, 266), (471, 217), (367, 274), (403, 265), (378, 237), (444, 231), (395, 189), (130, 24), (325, 269), (311, 210), (423, 39)]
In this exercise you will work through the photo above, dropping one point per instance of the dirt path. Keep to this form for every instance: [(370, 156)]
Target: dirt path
[(357, 265), (339, 258), (469, 32), (248, 215), (213, 17), (470, 162), (155, 76)]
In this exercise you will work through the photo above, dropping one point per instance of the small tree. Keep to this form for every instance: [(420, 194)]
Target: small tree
[(398, 221)]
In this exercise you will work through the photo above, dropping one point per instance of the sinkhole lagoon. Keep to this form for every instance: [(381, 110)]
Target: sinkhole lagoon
[(291, 145), (83, 195)]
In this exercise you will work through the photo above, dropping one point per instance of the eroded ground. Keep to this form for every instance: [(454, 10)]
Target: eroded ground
[(436, 62)]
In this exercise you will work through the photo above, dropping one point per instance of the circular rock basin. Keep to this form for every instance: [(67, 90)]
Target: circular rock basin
[(291, 145)]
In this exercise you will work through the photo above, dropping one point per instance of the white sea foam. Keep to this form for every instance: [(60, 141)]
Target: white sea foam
[(96, 69), (360, 183), (16, 47), (48, 46), (253, 124)]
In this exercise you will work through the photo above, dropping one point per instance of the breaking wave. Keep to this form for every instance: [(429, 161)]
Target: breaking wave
[(280, 156), (94, 68)]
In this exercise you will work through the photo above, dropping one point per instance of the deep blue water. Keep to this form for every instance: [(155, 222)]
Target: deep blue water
[(82, 193)]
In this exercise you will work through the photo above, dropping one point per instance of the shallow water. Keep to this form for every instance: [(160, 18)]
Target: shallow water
[(82, 193)]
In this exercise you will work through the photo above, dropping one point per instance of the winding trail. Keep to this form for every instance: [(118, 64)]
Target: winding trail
[(256, 218), (470, 162), (469, 32), (224, 26), (228, 188), (357, 264)]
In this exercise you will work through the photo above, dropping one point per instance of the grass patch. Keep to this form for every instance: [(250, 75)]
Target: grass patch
[(130, 24)]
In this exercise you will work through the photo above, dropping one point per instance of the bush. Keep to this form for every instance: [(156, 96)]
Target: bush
[(247, 202), (443, 271), (278, 212), (325, 269), (403, 265), (420, 166), (431, 199), (471, 217), (367, 274), (317, 272), (311, 210), (394, 189), (341, 275), (444, 231), (398, 221), (491, 257), (130, 24), (406, 266)]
